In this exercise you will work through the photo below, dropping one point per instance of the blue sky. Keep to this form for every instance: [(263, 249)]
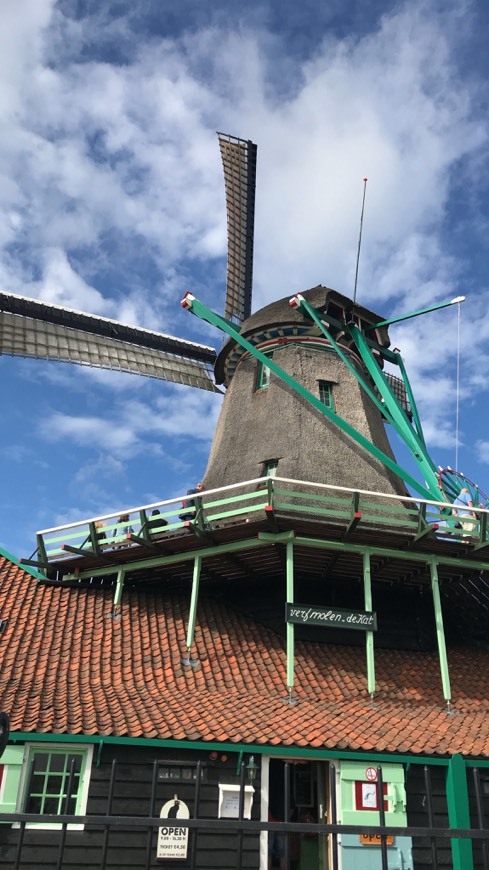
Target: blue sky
[(112, 201)]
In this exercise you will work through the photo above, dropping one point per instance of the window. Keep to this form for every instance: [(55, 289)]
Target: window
[(183, 772), (270, 468), (326, 394), (47, 777), (262, 375)]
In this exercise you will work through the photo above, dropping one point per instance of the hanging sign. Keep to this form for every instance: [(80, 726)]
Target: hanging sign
[(375, 840), (307, 614), (172, 837)]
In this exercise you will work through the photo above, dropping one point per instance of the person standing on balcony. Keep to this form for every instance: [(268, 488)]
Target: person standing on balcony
[(464, 499), (191, 503)]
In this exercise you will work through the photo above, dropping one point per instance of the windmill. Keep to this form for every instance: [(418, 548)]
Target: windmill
[(307, 394)]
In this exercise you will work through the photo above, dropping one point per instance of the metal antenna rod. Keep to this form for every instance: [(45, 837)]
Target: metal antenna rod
[(359, 240)]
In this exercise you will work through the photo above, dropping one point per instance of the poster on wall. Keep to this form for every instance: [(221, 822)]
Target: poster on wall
[(172, 837)]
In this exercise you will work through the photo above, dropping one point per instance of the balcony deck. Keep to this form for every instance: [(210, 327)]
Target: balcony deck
[(237, 530)]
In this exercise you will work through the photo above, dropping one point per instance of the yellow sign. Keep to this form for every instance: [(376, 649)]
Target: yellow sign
[(374, 840)]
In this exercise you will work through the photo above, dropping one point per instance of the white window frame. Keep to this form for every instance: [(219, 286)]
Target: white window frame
[(82, 797), (263, 375)]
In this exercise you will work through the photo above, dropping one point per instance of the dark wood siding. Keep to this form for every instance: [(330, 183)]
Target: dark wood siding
[(418, 815), (128, 847)]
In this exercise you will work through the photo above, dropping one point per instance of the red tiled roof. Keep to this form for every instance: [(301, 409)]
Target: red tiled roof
[(66, 666)]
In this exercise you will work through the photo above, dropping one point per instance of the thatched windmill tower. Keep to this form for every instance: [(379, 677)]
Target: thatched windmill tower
[(266, 427)]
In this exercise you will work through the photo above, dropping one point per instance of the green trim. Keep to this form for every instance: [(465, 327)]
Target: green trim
[(369, 635), (194, 599), (156, 561), (256, 748), (459, 812), (264, 538), (403, 426), (290, 627), (209, 316), (413, 314), (440, 632), (410, 395), (315, 315), (32, 571), (346, 546), (119, 587)]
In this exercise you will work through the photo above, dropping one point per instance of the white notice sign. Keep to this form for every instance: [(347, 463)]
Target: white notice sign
[(172, 837)]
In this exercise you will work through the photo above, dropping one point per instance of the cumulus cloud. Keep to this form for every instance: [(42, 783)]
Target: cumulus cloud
[(133, 425)]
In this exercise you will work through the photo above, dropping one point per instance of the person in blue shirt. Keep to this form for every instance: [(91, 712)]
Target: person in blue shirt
[(464, 500)]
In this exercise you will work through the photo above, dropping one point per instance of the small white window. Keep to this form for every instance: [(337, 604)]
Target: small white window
[(263, 375), (55, 781)]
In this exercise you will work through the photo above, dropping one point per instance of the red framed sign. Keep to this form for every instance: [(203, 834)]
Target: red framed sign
[(367, 796)]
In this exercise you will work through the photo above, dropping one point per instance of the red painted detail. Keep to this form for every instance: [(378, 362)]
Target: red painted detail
[(357, 515), (293, 302), (361, 803), (186, 302), (269, 509), (435, 526)]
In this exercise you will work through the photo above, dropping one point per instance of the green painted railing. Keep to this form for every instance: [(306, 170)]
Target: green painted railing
[(235, 503)]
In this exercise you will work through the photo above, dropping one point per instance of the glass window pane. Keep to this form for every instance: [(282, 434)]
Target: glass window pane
[(33, 805), (36, 785), (57, 762), (54, 784), (51, 805), (40, 761), (77, 763), (326, 394)]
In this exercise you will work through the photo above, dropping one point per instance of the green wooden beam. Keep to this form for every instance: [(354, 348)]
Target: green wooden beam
[(369, 635), (209, 316), (290, 625), (194, 599), (119, 587), (78, 551), (41, 550), (410, 396), (264, 538), (143, 542), (144, 531), (34, 563), (459, 812), (440, 632), (417, 313), (346, 546), (162, 561), (317, 316), (256, 748), (403, 426)]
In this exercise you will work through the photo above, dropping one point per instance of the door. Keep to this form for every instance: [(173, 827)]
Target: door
[(308, 802)]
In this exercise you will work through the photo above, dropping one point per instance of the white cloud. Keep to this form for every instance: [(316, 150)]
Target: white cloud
[(135, 425)]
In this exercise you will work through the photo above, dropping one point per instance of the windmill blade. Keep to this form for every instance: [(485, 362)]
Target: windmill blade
[(39, 330), (239, 162)]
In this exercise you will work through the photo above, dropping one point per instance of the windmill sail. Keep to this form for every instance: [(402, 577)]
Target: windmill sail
[(239, 162), (30, 328)]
